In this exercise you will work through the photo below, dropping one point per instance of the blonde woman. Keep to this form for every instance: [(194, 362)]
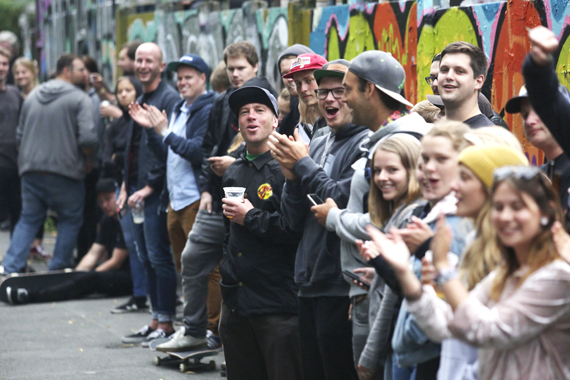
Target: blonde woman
[(26, 74), (519, 315)]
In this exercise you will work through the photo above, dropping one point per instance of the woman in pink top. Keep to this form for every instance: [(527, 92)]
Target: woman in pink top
[(519, 315)]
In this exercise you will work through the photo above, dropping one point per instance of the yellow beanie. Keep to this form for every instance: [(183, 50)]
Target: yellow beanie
[(483, 160)]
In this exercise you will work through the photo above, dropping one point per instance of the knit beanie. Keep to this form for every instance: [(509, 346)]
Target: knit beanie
[(483, 160)]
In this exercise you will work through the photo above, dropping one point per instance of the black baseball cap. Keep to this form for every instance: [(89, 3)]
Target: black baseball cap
[(192, 60), (382, 70), (106, 185), (252, 94)]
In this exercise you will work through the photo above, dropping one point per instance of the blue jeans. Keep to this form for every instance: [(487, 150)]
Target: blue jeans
[(138, 272), (41, 191), (151, 238)]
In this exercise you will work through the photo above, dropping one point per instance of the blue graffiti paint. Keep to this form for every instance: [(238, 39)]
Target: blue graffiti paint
[(318, 36), (557, 12), (486, 16)]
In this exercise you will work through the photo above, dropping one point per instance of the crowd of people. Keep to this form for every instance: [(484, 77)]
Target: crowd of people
[(375, 238)]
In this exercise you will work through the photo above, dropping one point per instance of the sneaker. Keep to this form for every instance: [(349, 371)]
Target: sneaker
[(214, 341), (138, 336), (133, 305), (156, 334), (17, 296), (181, 342)]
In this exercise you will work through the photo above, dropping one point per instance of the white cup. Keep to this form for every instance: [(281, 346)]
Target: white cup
[(235, 193)]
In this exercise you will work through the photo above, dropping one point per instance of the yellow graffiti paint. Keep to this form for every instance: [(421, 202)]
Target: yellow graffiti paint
[(453, 25), (563, 64), (333, 47), (360, 37)]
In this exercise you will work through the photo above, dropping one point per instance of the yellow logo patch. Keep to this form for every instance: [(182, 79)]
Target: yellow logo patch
[(264, 191)]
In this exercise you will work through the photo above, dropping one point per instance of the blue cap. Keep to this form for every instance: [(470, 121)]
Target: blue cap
[(191, 60), (252, 94)]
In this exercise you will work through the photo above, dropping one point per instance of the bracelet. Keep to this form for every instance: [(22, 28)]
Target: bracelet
[(445, 275)]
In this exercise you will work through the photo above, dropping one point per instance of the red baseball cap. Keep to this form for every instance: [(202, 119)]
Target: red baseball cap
[(304, 62)]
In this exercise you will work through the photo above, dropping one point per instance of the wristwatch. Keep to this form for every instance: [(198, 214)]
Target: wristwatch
[(445, 275), (164, 132)]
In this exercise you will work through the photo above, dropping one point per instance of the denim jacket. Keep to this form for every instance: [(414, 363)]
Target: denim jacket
[(410, 344)]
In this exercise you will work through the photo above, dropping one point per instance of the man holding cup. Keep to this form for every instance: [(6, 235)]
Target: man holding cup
[(259, 313)]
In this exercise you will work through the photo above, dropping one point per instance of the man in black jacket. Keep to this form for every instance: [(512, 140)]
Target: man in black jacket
[(143, 182), (203, 250), (259, 323)]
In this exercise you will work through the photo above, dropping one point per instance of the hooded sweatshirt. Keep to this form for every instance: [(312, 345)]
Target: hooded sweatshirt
[(327, 172), (55, 124), (349, 222)]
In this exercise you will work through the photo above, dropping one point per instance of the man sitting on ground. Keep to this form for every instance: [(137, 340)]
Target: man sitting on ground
[(106, 265)]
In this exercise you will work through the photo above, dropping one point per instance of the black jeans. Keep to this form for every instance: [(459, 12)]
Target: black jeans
[(261, 347), (10, 196), (326, 338), (110, 283)]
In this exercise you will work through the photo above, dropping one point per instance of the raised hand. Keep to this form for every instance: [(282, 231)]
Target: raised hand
[(139, 115), (543, 44), (392, 248)]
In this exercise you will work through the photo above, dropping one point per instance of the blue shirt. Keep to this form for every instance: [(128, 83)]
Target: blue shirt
[(182, 185)]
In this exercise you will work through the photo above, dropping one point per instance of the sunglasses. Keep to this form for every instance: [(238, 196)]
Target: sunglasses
[(519, 172), (322, 93), (431, 79)]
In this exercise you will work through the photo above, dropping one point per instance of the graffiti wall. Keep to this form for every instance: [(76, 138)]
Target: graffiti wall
[(413, 31)]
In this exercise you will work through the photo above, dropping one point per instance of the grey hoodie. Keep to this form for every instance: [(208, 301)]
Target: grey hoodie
[(351, 222), (56, 122)]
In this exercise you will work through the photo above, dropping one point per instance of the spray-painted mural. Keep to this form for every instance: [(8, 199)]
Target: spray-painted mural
[(412, 31)]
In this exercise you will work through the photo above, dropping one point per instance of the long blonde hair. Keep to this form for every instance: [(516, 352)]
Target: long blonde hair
[(482, 255), (408, 149), (542, 248)]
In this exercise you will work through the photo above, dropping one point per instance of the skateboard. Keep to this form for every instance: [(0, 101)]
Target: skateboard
[(34, 281), (186, 360)]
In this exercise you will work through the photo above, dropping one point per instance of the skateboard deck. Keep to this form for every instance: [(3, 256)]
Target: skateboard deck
[(186, 360), (33, 281)]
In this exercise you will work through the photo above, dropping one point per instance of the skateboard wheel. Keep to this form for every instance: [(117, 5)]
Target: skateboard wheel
[(212, 364), (157, 360), (183, 367)]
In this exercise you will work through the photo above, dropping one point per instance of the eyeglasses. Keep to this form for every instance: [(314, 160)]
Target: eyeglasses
[(519, 172), (431, 79), (322, 93)]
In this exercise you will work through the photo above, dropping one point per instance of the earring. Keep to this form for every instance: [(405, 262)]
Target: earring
[(544, 221)]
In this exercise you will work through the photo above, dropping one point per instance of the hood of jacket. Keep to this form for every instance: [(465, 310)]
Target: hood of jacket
[(412, 124), (203, 100), (54, 89), (296, 49)]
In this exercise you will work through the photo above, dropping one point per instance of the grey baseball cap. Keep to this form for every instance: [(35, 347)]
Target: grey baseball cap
[(336, 68), (382, 70), (252, 94)]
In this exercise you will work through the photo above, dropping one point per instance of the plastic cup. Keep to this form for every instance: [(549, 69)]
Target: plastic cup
[(235, 193), (138, 213)]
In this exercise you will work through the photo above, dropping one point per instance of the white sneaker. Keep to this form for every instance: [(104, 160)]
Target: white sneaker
[(181, 342)]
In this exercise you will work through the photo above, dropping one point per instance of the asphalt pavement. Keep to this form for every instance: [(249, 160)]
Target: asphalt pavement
[(77, 339)]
